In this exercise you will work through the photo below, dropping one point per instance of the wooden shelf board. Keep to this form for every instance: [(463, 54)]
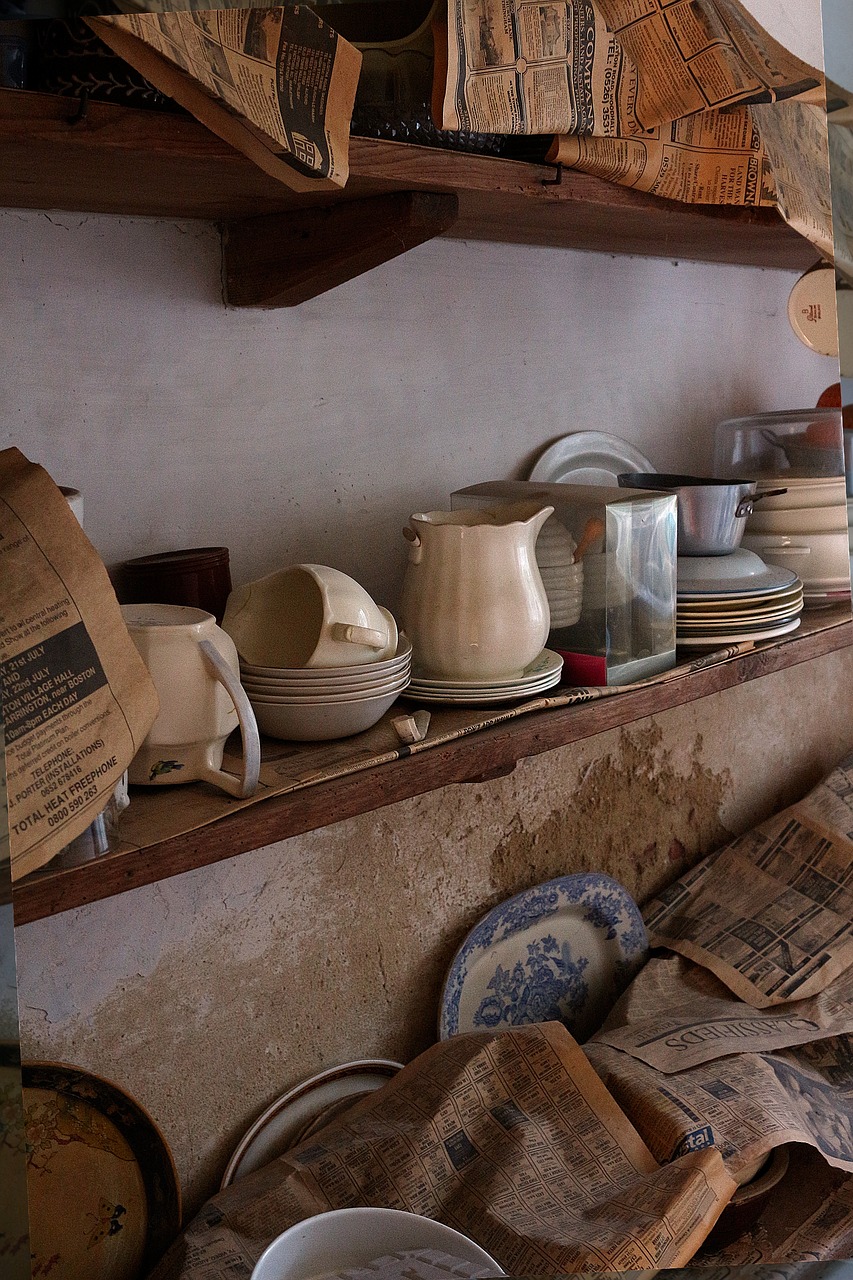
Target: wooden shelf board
[(122, 160), (487, 754)]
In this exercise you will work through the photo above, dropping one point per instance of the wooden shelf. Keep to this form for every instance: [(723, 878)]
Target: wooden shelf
[(120, 160), (490, 753)]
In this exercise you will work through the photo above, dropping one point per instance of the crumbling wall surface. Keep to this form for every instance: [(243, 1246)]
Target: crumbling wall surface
[(209, 994)]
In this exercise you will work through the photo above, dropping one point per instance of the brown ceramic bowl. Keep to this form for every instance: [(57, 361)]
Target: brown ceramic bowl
[(749, 1201)]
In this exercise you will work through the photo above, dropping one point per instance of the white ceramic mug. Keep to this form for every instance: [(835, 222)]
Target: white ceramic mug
[(194, 666), (308, 615)]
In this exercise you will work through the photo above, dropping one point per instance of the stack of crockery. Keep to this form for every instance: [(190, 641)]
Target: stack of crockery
[(805, 530), (319, 659), (726, 593), (561, 573)]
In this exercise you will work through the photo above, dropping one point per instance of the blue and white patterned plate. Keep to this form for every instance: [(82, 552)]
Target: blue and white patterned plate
[(562, 951)]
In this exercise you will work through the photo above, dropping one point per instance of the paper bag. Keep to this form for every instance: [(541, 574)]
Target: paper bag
[(77, 699)]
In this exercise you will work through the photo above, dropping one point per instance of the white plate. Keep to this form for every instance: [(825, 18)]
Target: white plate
[(737, 603), (788, 607), (477, 697), (564, 950), (697, 642), (304, 1109), (588, 457), (546, 664), (774, 581), (737, 624), (344, 1240)]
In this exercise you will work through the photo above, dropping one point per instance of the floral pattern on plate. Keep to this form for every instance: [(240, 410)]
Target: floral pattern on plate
[(564, 950)]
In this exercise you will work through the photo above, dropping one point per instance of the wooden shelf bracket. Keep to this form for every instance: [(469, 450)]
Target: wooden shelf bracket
[(283, 259)]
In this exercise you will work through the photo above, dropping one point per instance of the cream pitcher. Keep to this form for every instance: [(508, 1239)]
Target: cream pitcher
[(474, 606)]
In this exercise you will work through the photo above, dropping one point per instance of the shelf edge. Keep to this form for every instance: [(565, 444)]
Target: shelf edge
[(489, 753)]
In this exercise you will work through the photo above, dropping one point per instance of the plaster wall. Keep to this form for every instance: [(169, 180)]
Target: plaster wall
[(312, 435), (211, 993)]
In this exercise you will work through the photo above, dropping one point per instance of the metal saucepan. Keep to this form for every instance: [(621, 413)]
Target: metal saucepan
[(711, 513)]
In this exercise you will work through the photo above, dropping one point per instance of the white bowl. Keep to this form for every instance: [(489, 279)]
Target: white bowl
[(802, 492), (321, 723), (827, 558), (387, 665), (345, 1238), (289, 699), (342, 687), (798, 520), (740, 565)]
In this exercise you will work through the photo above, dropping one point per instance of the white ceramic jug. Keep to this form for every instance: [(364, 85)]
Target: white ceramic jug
[(194, 666), (473, 601)]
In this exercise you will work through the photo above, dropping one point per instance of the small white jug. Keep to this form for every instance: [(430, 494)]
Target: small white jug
[(194, 666), (473, 601)]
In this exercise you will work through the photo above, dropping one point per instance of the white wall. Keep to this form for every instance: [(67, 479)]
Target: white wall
[(312, 434)]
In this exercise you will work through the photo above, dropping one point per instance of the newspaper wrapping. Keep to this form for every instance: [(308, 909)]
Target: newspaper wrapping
[(650, 94), (76, 697), (676, 1015), (769, 919), (509, 1137), (276, 83), (771, 914)]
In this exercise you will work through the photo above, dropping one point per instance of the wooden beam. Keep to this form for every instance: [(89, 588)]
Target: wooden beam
[(282, 259)]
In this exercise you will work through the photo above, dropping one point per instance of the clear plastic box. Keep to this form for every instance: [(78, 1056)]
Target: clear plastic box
[(626, 538), (795, 442)]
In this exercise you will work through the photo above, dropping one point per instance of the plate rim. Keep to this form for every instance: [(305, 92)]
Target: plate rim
[(359, 1066), (496, 685), (157, 1166), (698, 642), (630, 457), (479, 698), (451, 990), (749, 588)]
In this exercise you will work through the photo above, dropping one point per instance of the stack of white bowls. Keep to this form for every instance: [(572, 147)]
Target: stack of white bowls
[(561, 577), (311, 704), (319, 659), (805, 530)]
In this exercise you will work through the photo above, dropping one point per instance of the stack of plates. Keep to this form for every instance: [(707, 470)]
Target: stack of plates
[(313, 704), (803, 529), (543, 673), (728, 599)]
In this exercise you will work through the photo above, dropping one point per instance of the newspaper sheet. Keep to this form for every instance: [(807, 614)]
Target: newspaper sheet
[(745, 1105), (841, 176), (509, 1137), (716, 157), (651, 94), (771, 914), (676, 1015), (616, 68), (75, 696), (277, 83), (795, 136)]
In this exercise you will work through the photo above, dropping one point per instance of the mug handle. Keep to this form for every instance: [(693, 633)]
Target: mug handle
[(358, 635), (248, 784)]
